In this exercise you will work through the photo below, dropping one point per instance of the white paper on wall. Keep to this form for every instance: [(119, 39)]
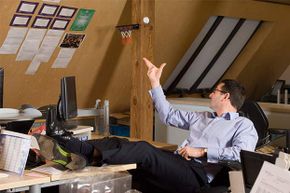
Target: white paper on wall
[(64, 57), (33, 67), (31, 44), (13, 40), (48, 45)]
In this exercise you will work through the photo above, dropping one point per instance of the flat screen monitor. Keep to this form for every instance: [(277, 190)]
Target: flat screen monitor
[(67, 105), (1, 86), (251, 164)]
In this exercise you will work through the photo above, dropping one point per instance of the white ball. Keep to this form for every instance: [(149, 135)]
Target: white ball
[(146, 20)]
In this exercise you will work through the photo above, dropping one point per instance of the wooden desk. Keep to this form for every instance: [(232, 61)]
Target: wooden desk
[(86, 172), (161, 145), (34, 180), (31, 180)]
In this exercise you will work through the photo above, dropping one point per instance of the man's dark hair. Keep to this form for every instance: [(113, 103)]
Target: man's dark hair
[(236, 90)]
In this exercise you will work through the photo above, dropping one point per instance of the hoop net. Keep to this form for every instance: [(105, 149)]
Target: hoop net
[(126, 36)]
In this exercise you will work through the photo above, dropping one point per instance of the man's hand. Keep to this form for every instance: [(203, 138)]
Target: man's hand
[(154, 73), (188, 152)]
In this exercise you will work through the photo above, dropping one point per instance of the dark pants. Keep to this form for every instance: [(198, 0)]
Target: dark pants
[(168, 170)]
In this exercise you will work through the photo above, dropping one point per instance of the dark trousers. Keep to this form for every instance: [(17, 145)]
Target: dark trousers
[(168, 170)]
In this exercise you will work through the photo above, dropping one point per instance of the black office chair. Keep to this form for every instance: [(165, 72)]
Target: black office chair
[(254, 112)]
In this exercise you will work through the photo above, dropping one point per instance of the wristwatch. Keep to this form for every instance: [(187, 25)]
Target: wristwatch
[(205, 152)]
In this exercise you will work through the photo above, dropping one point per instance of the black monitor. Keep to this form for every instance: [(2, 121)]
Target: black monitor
[(1, 86), (251, 164), (67, 104)]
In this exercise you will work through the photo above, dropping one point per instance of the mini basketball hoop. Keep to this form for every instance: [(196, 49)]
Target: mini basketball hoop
[(126, 32)]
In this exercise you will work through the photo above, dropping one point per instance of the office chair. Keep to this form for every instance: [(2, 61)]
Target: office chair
[(254, 112)]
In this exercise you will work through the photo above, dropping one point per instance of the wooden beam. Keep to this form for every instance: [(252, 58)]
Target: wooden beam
[(141, 104)]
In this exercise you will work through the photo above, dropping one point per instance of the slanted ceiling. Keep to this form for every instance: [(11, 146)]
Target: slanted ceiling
[(102, 65)]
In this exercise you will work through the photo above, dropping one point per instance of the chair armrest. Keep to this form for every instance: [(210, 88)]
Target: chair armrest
[(232, 165)]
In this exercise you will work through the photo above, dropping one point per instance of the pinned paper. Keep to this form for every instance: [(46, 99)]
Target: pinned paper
[(31, 44), (64, 57), (13, 40), (48, 45), (33, 67)]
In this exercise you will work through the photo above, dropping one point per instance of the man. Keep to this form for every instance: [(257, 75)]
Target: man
[(213, 137)]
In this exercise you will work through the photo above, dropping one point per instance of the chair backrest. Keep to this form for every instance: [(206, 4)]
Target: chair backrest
[(254, 112)]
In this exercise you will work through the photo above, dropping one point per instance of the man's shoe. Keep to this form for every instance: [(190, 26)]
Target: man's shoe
[(51, 150), (53, 123)]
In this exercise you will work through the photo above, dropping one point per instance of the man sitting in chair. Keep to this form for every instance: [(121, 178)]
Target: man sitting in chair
[(213, 137)]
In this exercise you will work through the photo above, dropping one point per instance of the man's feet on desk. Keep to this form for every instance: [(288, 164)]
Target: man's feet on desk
[(51, 150)]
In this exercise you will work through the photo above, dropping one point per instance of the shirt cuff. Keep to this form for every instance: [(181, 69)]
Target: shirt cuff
[(156, 92), (212, 155)]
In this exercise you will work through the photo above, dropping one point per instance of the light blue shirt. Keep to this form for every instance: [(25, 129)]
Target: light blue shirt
[(224, 136)]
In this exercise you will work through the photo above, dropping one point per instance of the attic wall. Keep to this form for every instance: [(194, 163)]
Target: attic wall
[(261, 62), (102, 64)]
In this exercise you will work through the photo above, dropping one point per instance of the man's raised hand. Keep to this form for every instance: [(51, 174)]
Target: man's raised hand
[(154, 73)]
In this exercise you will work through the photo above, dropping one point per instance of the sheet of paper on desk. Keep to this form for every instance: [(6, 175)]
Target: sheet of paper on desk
[(14, 149), (50, 169), (272, 179)]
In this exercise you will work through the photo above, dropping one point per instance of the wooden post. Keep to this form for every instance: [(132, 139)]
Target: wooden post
[(141, 104)]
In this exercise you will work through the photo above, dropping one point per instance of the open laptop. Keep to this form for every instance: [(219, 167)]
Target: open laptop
[(251, 166)]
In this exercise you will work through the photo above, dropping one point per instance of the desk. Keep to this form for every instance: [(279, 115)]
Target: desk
[(31, 180), (34, 181)]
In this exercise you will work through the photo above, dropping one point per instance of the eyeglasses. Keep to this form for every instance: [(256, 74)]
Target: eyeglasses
[(218, 90)]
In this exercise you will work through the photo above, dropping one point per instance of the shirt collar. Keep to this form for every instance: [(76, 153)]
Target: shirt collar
[(227, 116)]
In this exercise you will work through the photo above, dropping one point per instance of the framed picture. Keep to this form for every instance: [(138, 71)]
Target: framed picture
[(20, 20), (48, 10), (72, 40), (41, 22), (27, 7), (59, 24), (66, 12)]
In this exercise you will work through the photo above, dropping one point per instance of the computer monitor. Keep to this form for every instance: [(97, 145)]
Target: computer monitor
[(251, 164), (1, 86), (67, 104)]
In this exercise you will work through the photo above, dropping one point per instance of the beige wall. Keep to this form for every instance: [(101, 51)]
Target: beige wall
[(102, 63)]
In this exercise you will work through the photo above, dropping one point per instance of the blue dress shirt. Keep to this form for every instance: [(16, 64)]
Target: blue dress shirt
[(223, 136)]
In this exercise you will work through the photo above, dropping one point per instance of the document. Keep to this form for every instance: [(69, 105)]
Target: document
[(13, 40), (14, 149), (31, 44), (272, 179)]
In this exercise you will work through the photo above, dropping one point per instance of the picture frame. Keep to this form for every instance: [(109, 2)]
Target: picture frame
[(27, 7), (48, 10), (41, 22), (66, 12), (59, 24), (20, 20)]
